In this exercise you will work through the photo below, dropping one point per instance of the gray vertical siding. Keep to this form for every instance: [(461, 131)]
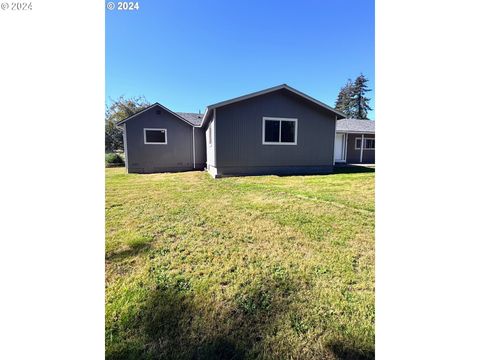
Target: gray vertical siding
[(176, 155), (200, 153), (353, 156), (239, 148)]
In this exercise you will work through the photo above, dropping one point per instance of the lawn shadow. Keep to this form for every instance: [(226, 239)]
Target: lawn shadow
[(337, 169), (352, 169), (174, 323), (131, 250), (344, 351)]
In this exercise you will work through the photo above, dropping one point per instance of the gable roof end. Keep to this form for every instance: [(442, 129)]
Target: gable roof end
[(269, 90), (121, 122)]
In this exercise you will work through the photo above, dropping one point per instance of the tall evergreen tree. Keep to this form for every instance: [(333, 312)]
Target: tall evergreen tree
[(344, 99), (360, 101), (351, 99)]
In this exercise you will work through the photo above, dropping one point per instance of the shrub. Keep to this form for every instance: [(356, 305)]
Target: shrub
[(113, 159)]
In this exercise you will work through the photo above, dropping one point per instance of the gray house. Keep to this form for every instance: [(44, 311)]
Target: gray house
[(279, 130), (355, 141), (157, 139), (274, 131)]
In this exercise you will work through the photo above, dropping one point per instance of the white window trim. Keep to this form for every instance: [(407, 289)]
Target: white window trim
[(265, 118), (364, 142), (154, 143)]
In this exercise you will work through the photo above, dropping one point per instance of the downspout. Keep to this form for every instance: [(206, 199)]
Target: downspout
[(193, 132), (361, 151)]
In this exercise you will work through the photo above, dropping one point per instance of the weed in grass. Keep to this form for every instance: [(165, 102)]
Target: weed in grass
[(250, 303), (320, 270), (182, 284), (298, 325)]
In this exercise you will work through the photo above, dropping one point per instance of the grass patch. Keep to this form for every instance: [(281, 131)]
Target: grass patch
[(239, 268)]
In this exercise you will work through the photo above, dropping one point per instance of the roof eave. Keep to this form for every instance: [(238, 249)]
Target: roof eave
[(318, 102), (205, 116), (269, 90), (151, 107), (121, 122), (355, 132)]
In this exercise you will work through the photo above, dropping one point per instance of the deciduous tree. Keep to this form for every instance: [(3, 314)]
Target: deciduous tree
[(118, 110)]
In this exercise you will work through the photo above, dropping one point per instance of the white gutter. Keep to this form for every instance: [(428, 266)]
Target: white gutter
[(356, 132)]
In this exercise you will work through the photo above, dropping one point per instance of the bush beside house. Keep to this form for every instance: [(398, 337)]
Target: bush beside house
[(113, 159)]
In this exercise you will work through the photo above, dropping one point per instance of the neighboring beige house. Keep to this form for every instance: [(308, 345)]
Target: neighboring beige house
[(355, 141)]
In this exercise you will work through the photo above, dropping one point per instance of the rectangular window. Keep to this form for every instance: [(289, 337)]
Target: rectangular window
[(368, 144), (279, 131), (358, 143), (155, 136), (272, 131), (210, 134), (288, 131)]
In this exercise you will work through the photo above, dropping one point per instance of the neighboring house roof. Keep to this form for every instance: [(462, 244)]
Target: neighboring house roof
[(266, 91), (356, 126), (181, 117), (193, 118)]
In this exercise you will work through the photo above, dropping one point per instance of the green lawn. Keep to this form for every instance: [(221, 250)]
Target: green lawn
[(239, 268)]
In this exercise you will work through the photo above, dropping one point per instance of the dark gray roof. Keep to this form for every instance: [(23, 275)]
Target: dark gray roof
[(192, 118), (356, 126)]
